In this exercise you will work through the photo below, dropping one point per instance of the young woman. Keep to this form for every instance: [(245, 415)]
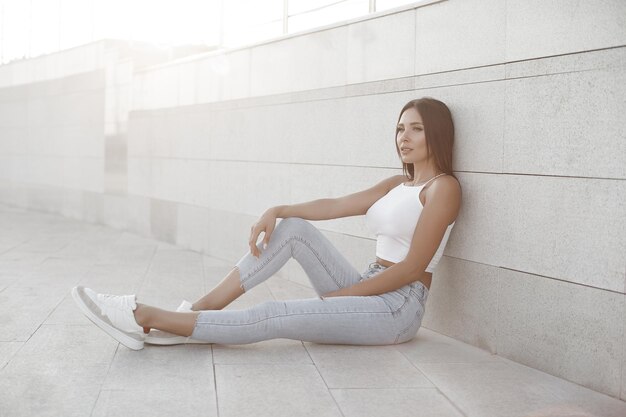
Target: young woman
[(411, 215)]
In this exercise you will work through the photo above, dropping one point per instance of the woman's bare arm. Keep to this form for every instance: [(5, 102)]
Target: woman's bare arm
[(321, 209), (333, 208)]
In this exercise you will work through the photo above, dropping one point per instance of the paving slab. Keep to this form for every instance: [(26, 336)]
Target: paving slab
[(53, 361)]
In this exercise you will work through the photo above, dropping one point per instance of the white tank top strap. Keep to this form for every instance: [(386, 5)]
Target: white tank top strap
[(436, 176)]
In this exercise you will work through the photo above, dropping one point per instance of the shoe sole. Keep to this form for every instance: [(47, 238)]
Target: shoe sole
[(163, 338), (92, 312)]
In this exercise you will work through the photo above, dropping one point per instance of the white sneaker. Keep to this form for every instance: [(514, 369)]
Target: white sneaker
[(113, 314), (160, 337)]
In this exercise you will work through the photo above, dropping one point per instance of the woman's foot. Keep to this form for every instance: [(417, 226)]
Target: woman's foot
[(114, 314)]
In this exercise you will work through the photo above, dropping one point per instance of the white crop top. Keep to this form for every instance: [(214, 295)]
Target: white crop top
[(393, 219)]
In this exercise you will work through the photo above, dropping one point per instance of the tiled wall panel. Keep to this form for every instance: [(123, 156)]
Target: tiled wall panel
[(538, 317), (193, 151), (448, 39), (566, 124), (538, 28)]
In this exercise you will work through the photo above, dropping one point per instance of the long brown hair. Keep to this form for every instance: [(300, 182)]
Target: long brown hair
[(439, 132)]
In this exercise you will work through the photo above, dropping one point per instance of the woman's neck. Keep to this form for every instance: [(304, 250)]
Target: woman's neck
[(423, 173)]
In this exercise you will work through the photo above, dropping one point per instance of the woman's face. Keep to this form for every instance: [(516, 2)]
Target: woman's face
[(410, 138)]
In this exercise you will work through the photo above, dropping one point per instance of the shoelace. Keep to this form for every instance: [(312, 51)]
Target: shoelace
[(106, 298), (112, 300)]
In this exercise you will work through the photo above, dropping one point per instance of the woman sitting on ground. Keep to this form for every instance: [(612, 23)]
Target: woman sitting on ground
[(411, 215)]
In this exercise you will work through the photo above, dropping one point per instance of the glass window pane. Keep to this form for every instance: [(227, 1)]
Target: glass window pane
[(390, 4), (301, 6), (203, 22), (75, 23), (109, 22), (15, 30), (249, 21), (253, 34), (54, 24), (336, 12), (44, 27), (163, 22), (241, 13)]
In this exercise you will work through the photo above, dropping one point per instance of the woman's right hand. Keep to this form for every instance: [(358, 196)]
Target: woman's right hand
[(266, 224)]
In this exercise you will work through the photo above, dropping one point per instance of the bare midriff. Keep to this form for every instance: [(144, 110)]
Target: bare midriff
[(425, 279)]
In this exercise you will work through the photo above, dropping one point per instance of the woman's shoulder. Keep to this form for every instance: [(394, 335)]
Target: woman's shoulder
[(448, 182), (446, 186), (393, 181), (398, 179)]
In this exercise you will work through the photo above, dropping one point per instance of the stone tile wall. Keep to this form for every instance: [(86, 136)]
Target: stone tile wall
[(193, 151)]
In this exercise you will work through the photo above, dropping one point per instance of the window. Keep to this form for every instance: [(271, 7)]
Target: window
[(36, 27)]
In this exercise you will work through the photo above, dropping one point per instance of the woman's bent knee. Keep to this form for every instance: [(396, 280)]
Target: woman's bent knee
[(295, 223)]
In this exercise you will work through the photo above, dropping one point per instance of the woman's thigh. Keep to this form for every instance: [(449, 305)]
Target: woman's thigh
[(327, 269), (406, 305), (408, 308), (358, 320)]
